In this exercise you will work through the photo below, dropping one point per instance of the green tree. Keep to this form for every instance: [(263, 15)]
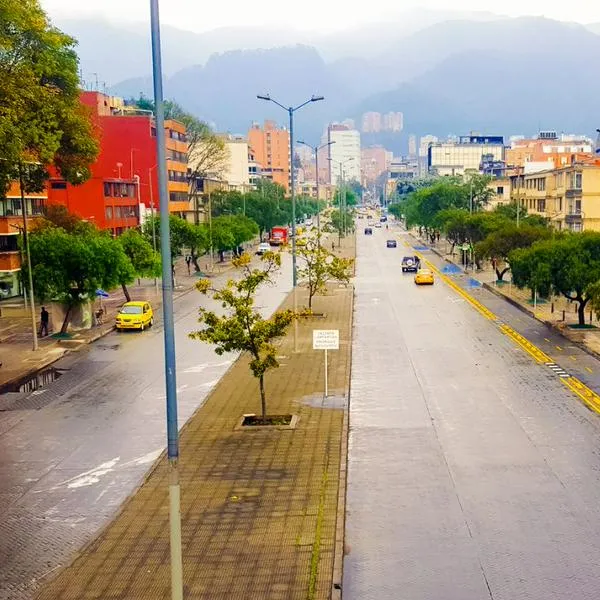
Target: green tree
[(144, 261), (197, 239), (242, 328), (178, 234), (499, 244), (70, 267), (230, 232), (341, 219), (422, 206), (348, 195), (321, 267), (42, 120), (569, 265), (479, 189)]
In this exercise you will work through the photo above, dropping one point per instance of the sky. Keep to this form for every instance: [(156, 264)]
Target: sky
[(332, 15)]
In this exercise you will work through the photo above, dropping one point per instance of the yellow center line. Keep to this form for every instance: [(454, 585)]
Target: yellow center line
[(590, 398), (546, 340), (589, 370), (572, 357)]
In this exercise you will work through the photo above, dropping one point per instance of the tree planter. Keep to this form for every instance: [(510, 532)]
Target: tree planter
[(253, 422), (314, 315)]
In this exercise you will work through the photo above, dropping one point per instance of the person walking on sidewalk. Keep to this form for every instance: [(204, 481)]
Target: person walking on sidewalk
[(45, 318), (188, 262)]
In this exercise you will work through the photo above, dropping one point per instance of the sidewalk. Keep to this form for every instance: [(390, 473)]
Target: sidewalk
[(556, 312), (16, 354), (259, 508)]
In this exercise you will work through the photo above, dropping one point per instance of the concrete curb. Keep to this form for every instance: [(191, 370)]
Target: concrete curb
[(340, 524)]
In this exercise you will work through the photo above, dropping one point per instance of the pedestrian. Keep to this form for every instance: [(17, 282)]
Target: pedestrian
[(332, 246), (188, 262), (45, 318)]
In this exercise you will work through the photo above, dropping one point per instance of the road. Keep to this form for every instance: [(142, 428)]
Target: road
[(473, 471), (70, 455)]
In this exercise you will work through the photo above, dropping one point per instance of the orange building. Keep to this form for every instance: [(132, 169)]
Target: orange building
[(271, 149), (11, 226)]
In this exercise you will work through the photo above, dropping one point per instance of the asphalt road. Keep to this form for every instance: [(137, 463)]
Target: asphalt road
[(71, 453), (473, 472)]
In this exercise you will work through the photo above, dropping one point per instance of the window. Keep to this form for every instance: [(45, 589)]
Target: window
[(178, 196), (575, 181), (153, 131), (58, 185), (541, 205), (500, 190), (9, 243), (35, 206), (119, 190), (108, 213), (560, 204)]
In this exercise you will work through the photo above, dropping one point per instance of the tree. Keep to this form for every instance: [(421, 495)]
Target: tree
[(242, 328), (59, 216), (42, 121), (500, 243), (178, 234), (422, 206), (569, 265), (348, 196), (144, 261), (197, 239), (230, 232), (320, 267), (479, 189), (70, 267), (340, 218)]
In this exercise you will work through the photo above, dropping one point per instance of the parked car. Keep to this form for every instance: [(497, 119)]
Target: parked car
[(263, 247), (391, 244), (135, 315), (410, 264), (378, 225), (424, 277), (368, 231)]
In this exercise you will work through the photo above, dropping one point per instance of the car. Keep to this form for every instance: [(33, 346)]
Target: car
[(263, 248), (383, 219), (424, 277), (410, 264), (135, 315), (378, 225), (391, 244), (368, 231)]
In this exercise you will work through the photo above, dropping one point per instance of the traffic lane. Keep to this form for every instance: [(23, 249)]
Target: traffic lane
[(571, 358), (67, 467), (466, 459)]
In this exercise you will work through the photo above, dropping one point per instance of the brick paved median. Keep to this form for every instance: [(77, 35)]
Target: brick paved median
[(258, 508)]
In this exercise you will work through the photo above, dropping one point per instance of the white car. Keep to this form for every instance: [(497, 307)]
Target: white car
[(378, 225), (263, 247)]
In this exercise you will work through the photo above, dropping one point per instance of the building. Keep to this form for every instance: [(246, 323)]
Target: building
[(393, 122), (271, 150), (374, 161), (568, 196), (345, 151), (326, 191), (11, 227), (371, 122), (123, 187), (425, 142), (236, 171), (501, 188), (547, 151), (412, 146), (466, 154)]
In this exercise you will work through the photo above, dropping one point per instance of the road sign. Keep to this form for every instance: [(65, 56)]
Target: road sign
[(326, 339)]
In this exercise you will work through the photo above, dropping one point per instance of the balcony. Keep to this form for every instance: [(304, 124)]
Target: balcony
[(573, 193), (573, 216)]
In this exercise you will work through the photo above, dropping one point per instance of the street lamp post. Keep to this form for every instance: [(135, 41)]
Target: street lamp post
[(291, 110), (169, 335), (342, 199), (316, 149)]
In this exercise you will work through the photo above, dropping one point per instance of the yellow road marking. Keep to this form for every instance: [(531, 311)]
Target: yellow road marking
[(546, 340), (589, 370), (558, 348), (590, 398), (572, 357)]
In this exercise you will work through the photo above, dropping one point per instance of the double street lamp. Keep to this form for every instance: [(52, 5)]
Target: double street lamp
[(316, 151), (291, 110)]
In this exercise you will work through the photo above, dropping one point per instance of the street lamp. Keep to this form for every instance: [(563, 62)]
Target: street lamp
[(291, 110), (342, 200), (168, 327), (316, 150)]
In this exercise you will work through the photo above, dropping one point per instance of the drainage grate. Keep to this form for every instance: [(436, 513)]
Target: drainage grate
[(31, 383)]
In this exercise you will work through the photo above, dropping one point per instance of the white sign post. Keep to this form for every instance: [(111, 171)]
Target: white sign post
[(326, 339)]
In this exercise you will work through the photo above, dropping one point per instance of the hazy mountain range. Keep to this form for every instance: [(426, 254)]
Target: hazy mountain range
[(447, 72)]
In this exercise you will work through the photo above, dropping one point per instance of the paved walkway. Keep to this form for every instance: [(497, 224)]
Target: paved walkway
[(259, 508)]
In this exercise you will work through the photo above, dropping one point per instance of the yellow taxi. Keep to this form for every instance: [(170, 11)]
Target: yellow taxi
[(424, 277), (135, 315)]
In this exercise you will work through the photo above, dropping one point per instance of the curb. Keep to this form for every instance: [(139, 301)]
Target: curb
[(340, 523)]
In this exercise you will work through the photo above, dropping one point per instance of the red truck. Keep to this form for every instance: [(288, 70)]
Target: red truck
[(279, 236)]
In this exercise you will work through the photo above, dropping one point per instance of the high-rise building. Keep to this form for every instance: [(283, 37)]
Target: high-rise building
[(236, 170), (393, 121), (371, 122), (424, 143), (349, 123), (345, 151), (412, 146), (375, 160), (271, 149)]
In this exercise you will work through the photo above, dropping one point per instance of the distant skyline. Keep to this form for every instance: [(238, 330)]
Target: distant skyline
[(333, 15)]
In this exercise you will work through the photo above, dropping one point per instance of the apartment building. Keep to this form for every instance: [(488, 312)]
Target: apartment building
[(374, 160), (271, 150), (344, 152), (569, 196), (123, 187)]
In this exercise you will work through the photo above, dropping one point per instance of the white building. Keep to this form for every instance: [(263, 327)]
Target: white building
[(236, 170), (424, 143), (454, 158), (345, 151)]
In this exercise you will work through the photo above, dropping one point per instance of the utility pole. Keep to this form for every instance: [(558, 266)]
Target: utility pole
[(169, 332)]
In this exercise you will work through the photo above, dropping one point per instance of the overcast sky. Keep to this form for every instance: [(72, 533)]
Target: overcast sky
[(197, 15)]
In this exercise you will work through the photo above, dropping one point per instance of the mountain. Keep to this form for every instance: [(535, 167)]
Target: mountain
[(594, 27)]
